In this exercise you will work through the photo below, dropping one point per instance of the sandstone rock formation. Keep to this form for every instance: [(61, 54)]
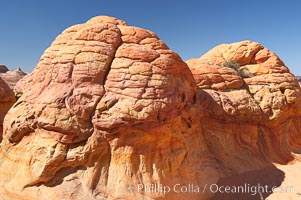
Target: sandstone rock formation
[(107, 108), (3, 69), (7, 99), (12, 77), (299, 79), (252, 110)]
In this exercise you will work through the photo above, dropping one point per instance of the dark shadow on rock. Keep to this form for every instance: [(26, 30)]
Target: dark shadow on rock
[(251, 185)]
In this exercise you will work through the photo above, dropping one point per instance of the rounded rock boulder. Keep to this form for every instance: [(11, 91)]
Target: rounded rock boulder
[(107, 108)]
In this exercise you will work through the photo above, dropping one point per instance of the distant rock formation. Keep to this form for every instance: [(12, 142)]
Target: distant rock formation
[(12, 77), (3, 68), (7, 99)]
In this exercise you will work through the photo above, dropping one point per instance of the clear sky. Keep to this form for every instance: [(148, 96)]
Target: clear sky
[(189, 27)]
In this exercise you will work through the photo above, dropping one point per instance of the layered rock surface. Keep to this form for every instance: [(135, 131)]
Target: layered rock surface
[(7, 99), (12, 77), (107, 108), (252, 113)]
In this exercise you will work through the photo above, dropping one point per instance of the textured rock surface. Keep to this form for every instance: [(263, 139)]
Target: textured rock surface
[(250, 124), (12, 77), (7, 99), (108, 107)]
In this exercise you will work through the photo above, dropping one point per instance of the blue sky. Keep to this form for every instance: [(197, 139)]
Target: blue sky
[(189, 27)]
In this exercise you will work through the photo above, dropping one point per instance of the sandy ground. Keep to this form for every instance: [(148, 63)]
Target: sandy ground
[(281, 182), (290, 188)]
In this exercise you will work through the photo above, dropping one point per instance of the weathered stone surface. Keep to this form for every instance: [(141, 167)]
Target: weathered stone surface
[(7, 99), (251, 124), (12, 77), (108, 107), (269, 92)]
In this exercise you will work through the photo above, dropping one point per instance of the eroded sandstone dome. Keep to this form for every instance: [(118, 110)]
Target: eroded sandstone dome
[(252, 110), (108, 107), (271, 90)]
